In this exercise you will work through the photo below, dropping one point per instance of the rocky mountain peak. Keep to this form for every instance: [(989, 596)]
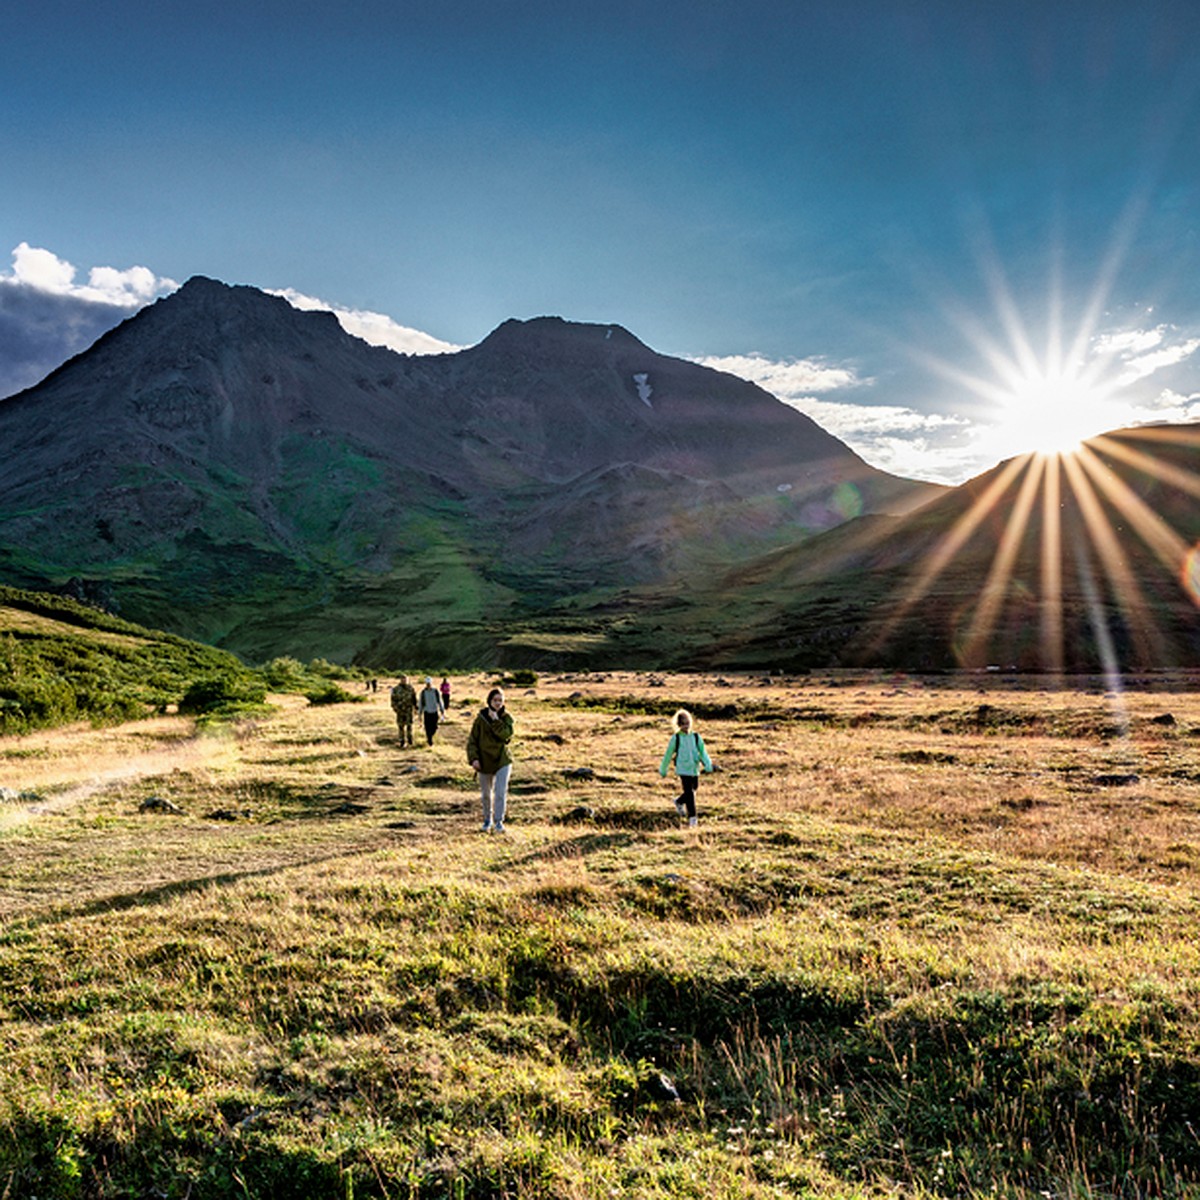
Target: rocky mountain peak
[(559, 339)]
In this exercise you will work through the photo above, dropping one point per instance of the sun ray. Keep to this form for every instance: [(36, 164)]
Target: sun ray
[(1172, 435), (1180, 477), (1123, 587), (950, 545), (1168, 547), (995, 588), (1050, 623), (1109, 662)]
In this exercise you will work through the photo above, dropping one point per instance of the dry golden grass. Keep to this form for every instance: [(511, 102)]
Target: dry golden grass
[(898, 886)]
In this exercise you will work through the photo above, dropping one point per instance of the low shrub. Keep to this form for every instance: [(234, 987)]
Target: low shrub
[(330, 693), (225, 694)]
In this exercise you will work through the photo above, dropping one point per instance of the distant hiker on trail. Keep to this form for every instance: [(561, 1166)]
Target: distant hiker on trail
[(487, 752), (686, 750), (404, 704), (445, 693), (430, 704)]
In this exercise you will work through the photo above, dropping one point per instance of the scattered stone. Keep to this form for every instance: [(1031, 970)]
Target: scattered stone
[(1023, 804), (160, 804), (1115, 780), (1163, 719), (401, 825), (655, 681), (230, 814), (577, 815), (579, 773), (411, 769), (383, 781), (556, 738), (350, 808)]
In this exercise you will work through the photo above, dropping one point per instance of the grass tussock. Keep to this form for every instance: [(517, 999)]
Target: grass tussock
[(888, 961)]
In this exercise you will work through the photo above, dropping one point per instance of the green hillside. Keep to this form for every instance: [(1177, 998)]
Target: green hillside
[(62, 661)]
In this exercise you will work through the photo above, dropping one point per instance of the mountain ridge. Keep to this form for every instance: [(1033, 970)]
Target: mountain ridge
[(222, 453)]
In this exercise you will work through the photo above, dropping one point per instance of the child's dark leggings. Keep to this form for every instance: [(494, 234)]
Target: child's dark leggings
[(688, 783)]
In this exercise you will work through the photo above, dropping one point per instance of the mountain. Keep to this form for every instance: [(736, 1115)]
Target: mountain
[(227, 467), (1081, 562)]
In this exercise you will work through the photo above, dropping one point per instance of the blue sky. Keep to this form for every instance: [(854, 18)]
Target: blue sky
[(925, 224)]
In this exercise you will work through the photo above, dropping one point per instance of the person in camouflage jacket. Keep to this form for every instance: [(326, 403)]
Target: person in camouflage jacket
[(404, 705)]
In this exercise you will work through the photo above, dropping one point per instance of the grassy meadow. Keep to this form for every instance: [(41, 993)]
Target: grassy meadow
[(932, 937)]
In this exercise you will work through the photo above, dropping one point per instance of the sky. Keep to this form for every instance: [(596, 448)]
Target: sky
[(948, 231)]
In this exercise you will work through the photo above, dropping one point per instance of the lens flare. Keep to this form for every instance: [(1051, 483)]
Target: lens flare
[(1190, 575)]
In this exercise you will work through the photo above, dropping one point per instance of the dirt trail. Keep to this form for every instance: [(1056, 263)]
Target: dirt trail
[(63, 766)]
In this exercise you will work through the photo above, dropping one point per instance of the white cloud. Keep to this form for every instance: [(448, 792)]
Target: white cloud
[(1143, 365), (897, 439), (43, 271), (888, 436), (1129, 342), (787, 379), (376, 329), (1168, 406), (40, 270), (47, 317), (1142, 352)]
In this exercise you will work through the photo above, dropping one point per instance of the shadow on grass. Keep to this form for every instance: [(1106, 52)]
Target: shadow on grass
[(167, 892)]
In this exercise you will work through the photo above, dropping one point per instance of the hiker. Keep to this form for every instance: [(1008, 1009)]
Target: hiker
[(404, 704), (430, 704), (686, 750), (445, 693), (487, 752)]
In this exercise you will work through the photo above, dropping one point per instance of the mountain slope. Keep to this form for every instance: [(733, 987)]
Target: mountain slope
[(228, 467), (1085, 562), (61, 661)]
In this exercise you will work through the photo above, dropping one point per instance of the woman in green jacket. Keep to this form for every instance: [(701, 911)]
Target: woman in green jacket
[(686, 749), (487, 752)]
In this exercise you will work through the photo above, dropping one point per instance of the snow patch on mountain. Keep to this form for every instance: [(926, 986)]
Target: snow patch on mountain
[(645, 391)]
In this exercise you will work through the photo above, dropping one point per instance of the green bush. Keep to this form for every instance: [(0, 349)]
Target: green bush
[(286, 674), (327, 670), (330, 693), (223, 694), (521, 678)]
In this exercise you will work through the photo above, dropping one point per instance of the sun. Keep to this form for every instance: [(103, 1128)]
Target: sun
[(1050, 411)]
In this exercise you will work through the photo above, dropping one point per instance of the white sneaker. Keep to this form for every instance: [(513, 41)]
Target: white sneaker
[(681, 808), (487, 827), (498, 829), (692, 822)]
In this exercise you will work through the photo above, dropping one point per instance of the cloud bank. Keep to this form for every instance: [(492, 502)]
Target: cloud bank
[(889, 436), (377, 329), (46, 317)]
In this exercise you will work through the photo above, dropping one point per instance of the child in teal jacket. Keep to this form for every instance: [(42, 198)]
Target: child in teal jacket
[(686, 749)]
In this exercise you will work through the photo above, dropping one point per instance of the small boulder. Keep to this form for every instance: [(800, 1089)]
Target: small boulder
[(160, 804)]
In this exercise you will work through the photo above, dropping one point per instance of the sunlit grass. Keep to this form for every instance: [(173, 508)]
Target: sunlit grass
[(936, 936)]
